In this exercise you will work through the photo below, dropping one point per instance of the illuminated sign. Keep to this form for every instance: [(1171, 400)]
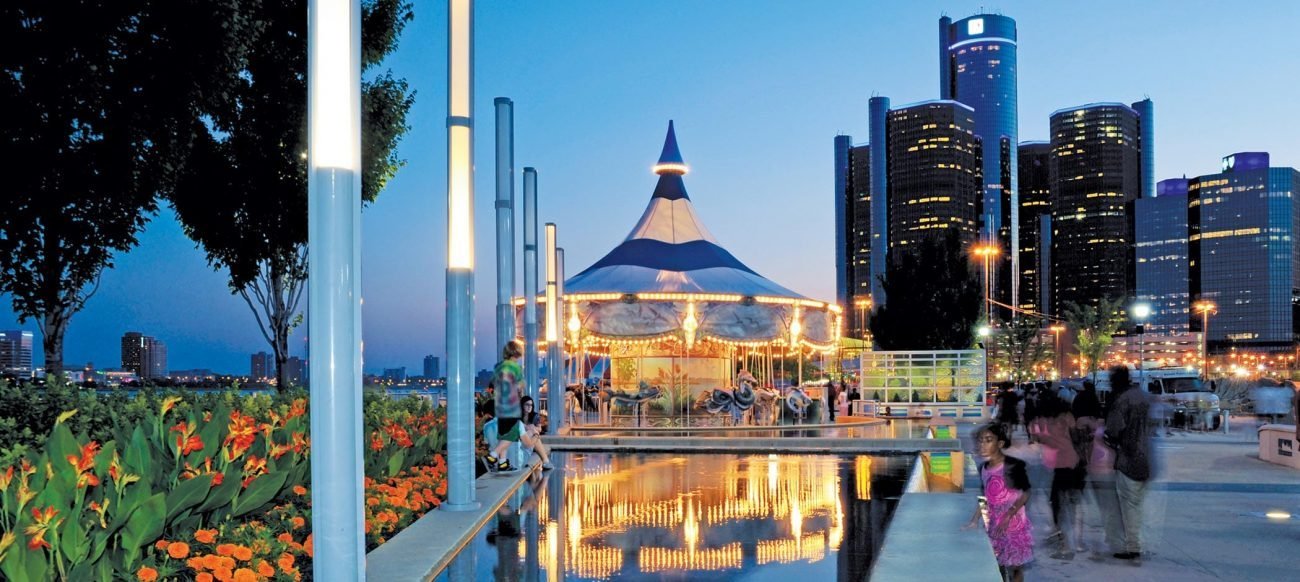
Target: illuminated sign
[(975, 26), (1229, 162)]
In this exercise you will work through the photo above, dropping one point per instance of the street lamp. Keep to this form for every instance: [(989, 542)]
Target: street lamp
[(984, 332), (864, 305), (1141, 311), (987, 252), (1205, 308), (1057, 329)]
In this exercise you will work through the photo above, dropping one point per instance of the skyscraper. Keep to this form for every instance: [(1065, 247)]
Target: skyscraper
[(934, 174), (852, 231), (263, 366), (16, 352), (143, 355), (1162, 261), (432, 369), (1096, 174), (977, 66), (1035, 203), (1243, 224)]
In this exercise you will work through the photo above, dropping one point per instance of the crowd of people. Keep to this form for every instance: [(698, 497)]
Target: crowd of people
[(1098, 455)]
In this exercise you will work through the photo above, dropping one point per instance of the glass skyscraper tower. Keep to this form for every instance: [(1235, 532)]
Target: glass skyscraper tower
[(977, 66)]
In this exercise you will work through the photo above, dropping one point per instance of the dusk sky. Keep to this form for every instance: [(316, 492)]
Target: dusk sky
[(758, 90)]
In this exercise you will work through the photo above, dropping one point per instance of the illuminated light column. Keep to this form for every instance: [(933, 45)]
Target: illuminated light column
[(505, 220), (460, 257), (554, 353), (531, 363), (557, 356), (334, 287)]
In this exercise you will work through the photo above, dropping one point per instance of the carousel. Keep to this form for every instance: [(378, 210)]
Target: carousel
[(683, 333)]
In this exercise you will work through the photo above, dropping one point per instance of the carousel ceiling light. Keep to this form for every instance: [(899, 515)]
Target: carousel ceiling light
[(689, 325)]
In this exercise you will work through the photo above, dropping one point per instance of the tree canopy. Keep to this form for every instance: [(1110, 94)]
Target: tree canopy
[(933, 298), (1094, 327), (244, 197), (102, 100)]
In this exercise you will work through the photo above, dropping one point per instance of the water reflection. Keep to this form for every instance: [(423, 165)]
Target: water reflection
[(644, 516)]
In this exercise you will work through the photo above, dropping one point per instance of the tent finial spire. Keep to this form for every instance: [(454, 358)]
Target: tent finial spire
[(670, 160)]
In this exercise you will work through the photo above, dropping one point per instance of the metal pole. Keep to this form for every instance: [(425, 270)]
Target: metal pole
[(560, 421), (1205, 343), (531, 363), (554, 377), (505, 220), (334, 287), (460, 257)]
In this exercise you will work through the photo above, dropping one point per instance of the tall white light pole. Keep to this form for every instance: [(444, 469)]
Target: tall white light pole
[(460, 256), (554, 357), (1141, 311), (334, 285), (532, 379), (505, 221)]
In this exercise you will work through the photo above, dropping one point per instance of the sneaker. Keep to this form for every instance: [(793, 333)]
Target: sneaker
[(1127, 555), (492, 461), (505, 467), (547, 466)]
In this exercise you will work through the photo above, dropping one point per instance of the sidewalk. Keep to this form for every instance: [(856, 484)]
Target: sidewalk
[(1204, 514)]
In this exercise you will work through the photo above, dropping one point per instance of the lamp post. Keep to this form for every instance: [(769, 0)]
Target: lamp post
[(864, 306), (1205, 308), (1141, 311), (334, 289), (987, 252), (1057, 329)]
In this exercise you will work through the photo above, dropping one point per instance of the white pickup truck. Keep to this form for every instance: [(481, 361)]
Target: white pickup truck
[(1179, 393)]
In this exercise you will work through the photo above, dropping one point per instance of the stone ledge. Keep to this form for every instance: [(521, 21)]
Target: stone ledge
[(820, 445), (425, 548), (925, 541)]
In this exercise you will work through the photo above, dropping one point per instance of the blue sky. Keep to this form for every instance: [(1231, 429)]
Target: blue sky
[(758, 90)]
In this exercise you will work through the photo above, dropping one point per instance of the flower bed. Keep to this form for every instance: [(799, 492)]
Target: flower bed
[(211, 487)]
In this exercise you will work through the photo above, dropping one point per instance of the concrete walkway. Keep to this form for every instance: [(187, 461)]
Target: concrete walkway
[(1205, 515)]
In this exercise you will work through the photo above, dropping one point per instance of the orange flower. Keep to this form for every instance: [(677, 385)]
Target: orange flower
[(160, 545), (253, 467), (206, 536), (178, 550), (226, 549), (146, 574), (195, 563), (203, 577), (8, 478), (43, 524), (372, 501), (245, 575), (299, 522), (223, 575), (84, 464), (243, 431), (264, 569), (212, 561), (297, 489), (306, 545), (243, 554), (285, 537), (285, 562)]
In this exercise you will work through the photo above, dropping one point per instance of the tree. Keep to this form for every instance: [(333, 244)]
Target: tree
[(101, 102), (1095, 328), (933, 298), (1021, 345), (244, 199)]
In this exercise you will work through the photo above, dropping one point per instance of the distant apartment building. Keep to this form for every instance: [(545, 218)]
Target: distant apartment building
[(1161, 233), (262, 366), (144, 356), (16, 352), (296, 370), (934, 174), (1243, 223), (395, 375), (432, 367), (1097, 171)]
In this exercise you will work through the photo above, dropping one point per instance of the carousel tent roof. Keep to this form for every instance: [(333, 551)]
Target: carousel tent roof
[(670, 251)]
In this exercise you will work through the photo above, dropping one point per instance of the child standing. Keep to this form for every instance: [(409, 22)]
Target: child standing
[(1005, 484)]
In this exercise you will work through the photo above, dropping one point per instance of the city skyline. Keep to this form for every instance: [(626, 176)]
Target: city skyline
[(753, 112)]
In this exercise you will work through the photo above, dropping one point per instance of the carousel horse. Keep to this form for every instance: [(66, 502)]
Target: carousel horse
[(797, 402), (765, 405), (644, 392), (734, 401)]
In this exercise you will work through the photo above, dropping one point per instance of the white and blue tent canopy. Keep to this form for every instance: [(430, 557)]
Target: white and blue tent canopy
[(670, 268)]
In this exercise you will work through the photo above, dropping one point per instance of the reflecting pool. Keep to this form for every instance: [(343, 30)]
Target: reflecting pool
[(601, 516)]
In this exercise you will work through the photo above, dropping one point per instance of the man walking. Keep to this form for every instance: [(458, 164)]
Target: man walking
[(1128, 431)]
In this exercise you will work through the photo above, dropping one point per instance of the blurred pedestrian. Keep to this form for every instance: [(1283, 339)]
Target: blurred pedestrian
[(1005, 484), (1008, 403), (1091, 439), (1128, 430), (1054, 428)]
